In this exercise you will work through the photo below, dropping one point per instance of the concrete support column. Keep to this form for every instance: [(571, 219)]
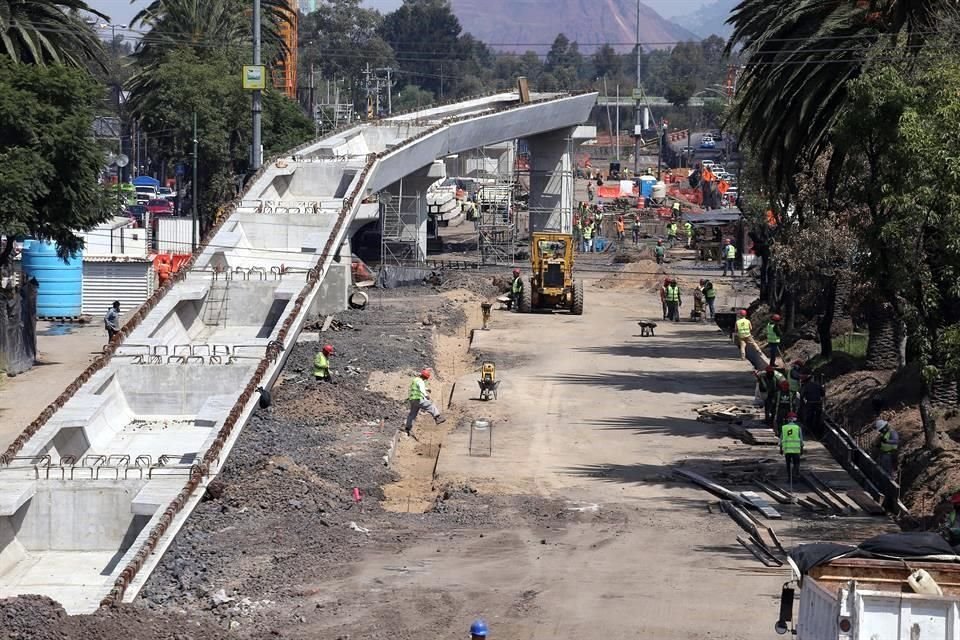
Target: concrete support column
[(551, 181)]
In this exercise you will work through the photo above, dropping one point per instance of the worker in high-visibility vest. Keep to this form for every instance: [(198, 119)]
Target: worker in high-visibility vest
[(419, 400), (889, 444), (673, 300), (672, 234), (745, 334), (688, 230), (516, 291), (587, 232), (774, 337), (769, 380), (791, 445), (321, 364), (729, 256)]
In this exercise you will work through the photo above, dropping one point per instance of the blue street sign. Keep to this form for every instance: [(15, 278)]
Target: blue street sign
[(181, 169)]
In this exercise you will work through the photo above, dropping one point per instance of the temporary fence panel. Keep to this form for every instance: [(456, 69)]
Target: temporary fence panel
[(130, 283), (174, 235)]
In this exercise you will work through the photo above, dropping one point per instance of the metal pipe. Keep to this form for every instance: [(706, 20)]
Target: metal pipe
[(257, 108)]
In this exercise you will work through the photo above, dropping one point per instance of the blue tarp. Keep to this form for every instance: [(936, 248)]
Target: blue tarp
[(145, 181)]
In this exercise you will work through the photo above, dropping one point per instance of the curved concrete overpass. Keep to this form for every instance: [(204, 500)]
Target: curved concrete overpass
[(97, 487)]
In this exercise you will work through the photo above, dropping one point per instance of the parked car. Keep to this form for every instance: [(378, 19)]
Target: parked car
[(143, 198), (166, 193), (708, 143), (160, 207)]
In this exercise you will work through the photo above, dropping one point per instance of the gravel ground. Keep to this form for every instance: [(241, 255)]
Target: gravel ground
[(282, 513)]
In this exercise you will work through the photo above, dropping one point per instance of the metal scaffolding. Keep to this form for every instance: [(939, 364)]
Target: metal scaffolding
[(403, 227), (496, 218)]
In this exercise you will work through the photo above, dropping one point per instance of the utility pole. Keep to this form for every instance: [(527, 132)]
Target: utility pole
[(257, 108), (636, 95), (194, 191)]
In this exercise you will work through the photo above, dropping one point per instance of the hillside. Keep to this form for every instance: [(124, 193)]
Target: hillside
[(508, 25), (710, 20)]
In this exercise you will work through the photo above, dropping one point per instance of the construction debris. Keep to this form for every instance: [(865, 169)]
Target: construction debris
[(760, 504), (722, 413), (865, 502)]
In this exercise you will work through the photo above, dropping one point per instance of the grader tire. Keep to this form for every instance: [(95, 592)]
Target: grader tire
[(526, 300), (577, 307)]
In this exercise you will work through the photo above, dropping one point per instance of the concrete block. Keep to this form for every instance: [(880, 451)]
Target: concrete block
[(14, 495), (334, 291)]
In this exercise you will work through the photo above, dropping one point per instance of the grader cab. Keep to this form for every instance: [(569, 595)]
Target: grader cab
[(552, 285)]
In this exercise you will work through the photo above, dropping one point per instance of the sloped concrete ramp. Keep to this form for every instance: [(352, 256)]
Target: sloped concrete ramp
[(94, 491)]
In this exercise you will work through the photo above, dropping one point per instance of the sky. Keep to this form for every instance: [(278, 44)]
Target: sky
[(121, 11)]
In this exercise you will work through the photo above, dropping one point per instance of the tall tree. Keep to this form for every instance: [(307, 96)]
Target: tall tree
[(425, 37), (49, 162), (44, 31), (799, 58)]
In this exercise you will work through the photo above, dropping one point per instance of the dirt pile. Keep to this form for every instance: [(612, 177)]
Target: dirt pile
[(39, 618), (642, 275)]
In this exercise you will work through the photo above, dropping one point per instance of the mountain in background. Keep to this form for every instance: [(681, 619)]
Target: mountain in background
[(512, 25), (710, 20)]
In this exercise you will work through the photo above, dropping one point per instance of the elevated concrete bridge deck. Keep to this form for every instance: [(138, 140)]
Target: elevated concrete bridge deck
[(95, 490)]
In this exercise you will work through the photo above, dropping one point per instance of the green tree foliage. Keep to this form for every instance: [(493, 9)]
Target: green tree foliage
[(49, 162), (185, 81), (339, 40), (43, 31), (425, 38), (800, 57)]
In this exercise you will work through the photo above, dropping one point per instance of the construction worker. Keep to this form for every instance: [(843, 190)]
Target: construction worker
[(729, 256), (419, 399), (659, 251), (791, 445), (635, 227), (795, 377), (784, 403), (889, 444), (321, 364), (516, 291), (698, 305), (773, 338), (478, 630), (709, 295), (688, 231), (769, 380), (590, 193), (163, 270), (675, 209), (598, 222), (577, 238), (620, 229), (587, 232), (673, 300), (672, 234), (111, 320), (663, 296), (745, 334)]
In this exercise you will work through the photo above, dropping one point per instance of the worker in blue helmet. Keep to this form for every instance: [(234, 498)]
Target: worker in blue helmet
[(478, 630)]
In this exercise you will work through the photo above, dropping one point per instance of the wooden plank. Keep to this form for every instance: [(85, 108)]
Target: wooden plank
[(710, 485), (836, 496), (760, 504), (326, 324), (810, 482), (756, 554), (866, 502), (773, 493), (776, 540)]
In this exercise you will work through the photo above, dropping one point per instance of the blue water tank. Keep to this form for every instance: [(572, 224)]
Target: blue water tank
[(60, 293), (646, 186)]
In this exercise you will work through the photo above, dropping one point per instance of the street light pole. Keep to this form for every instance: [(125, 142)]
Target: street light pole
[(194, 189), (637, 111), (256, 158)]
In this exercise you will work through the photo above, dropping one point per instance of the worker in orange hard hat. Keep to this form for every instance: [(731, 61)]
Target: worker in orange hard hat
[(321, 364), (419, 399)]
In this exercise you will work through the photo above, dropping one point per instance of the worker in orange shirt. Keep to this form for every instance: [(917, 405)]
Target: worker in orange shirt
[(620, 229), (163, 270)]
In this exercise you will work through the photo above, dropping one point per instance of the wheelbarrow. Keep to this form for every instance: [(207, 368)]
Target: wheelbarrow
[(488, 381)]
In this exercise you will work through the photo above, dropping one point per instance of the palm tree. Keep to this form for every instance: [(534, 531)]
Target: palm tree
[(204, 26), (43, 32), (800, 55)]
